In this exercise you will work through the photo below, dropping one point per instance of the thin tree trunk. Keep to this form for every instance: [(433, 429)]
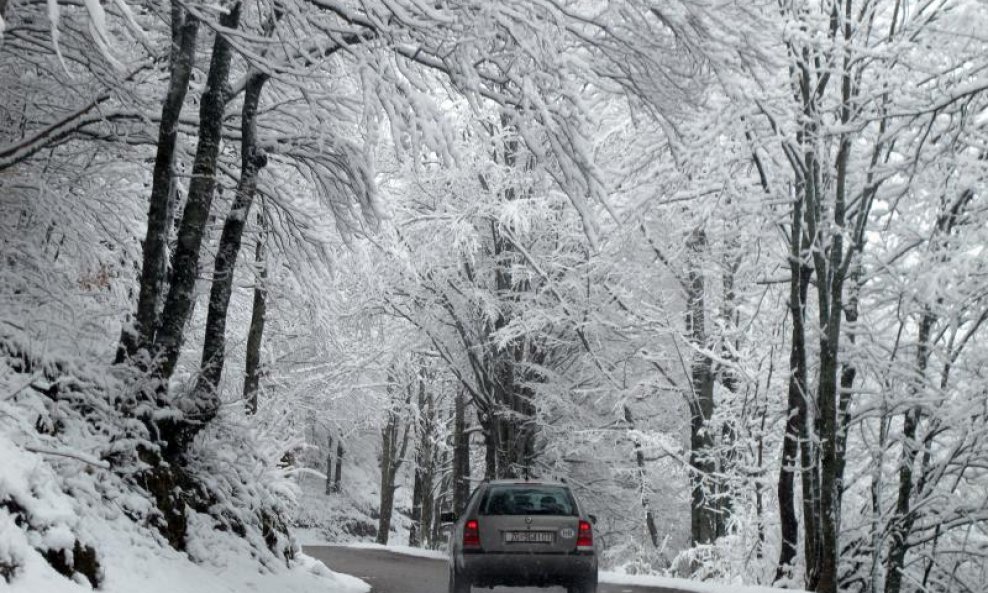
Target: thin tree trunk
[(338, 477), (796, 422), (414, 531), (392, 456), (329, 465), (848, 374), (878, 457), (831, 279), (811, 427), (427, 501), (461, 455), (703, 514), (154, 268), (252, 370), (653, 531), (214, 344), (185, 263), (902, 521), (490, 445), (386, 506)]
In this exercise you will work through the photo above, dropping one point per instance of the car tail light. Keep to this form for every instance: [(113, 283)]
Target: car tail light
[(471, 534), (584, 540)]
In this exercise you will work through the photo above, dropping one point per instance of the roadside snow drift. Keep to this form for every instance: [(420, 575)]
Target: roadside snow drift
[(46, 514)]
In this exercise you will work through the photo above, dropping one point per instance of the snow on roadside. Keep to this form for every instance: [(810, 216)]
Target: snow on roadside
[(132, 557), (404, 550), (645, 580)]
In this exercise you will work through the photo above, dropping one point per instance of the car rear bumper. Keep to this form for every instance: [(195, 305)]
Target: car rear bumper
[(513, 569)]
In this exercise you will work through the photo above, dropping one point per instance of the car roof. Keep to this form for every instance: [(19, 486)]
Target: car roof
[(520, 482)]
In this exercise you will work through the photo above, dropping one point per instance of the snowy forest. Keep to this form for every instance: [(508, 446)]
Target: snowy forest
[(274, 267)]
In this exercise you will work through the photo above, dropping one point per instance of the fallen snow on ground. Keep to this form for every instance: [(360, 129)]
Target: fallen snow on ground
[(66, 499), (165, 573), (406, 550), (645, 580)]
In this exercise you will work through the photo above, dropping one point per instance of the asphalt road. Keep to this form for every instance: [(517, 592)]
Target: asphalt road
[(388, 572)]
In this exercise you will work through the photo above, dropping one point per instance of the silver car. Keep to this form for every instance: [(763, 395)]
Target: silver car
[(522, 534)]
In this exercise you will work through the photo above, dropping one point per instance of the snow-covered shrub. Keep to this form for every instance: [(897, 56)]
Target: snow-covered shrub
[(247, 489)]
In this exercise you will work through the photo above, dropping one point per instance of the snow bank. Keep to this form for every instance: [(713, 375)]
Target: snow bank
[(644, 580), (131, 556), (405, 550), (68, 522)]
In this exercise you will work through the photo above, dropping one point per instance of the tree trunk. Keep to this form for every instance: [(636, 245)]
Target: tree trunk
[(848, 373), (185, 262), (427, 465), (490, 445), (414, 531), (154, 268), (252, 370), (393, 449), (796, 422), (214, 343), (386, 506), (461, 455), (329, 465), (653, 531), (831, 279), (810, 428), (338, 477), (704, 519), (902, 521)]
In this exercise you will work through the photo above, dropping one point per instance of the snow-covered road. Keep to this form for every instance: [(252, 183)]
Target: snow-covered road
[(389, 572)]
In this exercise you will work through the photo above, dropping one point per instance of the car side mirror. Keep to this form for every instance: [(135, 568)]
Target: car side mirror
[(593, 519), (449, 517)]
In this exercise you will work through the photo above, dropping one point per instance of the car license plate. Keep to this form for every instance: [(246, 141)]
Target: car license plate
[(528, 537)]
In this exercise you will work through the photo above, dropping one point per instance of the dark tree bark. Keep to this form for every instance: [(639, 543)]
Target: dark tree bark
[(154, 268), (799, 282), (848, 373), (394, 445), (185, 262), (704, 517), (461, 455), (416, 518), (422, 501), (490, 446), (338, 476), (214, 344), (831, 273), (252, 370), (653, 531), (902, 521), (428, 457), (329, 465)]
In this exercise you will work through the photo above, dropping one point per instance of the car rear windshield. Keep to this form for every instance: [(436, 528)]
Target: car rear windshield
[(527, 500)]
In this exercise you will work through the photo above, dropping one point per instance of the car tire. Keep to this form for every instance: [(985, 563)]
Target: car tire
[(587, 586), (457, 584)]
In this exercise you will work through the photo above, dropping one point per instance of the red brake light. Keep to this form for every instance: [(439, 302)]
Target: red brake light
[(471, 534), (585, 537)]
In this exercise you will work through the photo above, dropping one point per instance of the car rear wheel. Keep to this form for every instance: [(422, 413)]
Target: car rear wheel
[(457, 584), (587, 586)]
